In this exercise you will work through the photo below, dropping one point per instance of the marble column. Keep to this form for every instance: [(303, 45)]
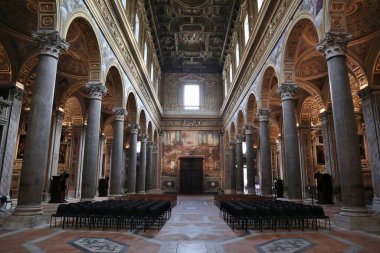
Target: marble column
[(91, 148), (39, 119), (117, 152), (227, 170), (239, 165), (329, 147), (346, 134), (232, 166), (17, 94), (155, 177), (251, 173), (55, 143), (149, 158), (141, 172), (131, 180), (265, 158), (292, 159), (371, 110)]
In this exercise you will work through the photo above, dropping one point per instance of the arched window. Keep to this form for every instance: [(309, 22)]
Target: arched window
[(237, 55), (191, 96), (145, 53), (231, 73), (137, 27), (246, 30), (259, 4)]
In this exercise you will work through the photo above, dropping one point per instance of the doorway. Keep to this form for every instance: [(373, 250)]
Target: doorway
[(191, 175)]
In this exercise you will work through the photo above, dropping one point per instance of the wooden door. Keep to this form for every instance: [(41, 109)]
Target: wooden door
[(191, 175)]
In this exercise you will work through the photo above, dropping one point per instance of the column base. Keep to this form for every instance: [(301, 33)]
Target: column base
[(355, 212), (366, 223), (251, 191), (141, 192), (296, 200), (27, 221), (155, 191), (376, 205), (87, 199), (28, 210)]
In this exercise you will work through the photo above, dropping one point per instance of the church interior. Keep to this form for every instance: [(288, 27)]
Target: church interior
[(220, 124)]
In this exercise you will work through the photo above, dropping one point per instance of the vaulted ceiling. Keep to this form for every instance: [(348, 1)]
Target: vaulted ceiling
[(192, 35)]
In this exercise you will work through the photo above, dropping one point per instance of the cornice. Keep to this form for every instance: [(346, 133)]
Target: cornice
[(118, 34), (191, 124), (259, 49)]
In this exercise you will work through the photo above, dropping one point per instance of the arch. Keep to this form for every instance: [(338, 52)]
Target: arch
[(142, 122), (251, 108), (131, 109), (108, 131), (73, 112), (269, 80), (120, 87), (240, 123), (310, 111), (150, 132), (302, 36), (232, 131), (5, 66), (115, 89), (84, 45), (373, 63)]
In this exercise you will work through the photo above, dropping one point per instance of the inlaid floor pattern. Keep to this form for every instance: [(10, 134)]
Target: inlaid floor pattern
[(195, 226)]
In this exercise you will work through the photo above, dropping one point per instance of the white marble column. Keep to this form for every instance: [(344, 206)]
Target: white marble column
[(91, 148), (239, 165), (117, 152), (141, 172), (17, 95), (371, 111), (251, 173), (265, 159), (346, 135), (39, 119), (131, 180), (292, 159)]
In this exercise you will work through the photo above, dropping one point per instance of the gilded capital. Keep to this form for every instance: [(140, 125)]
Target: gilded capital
[(95, 90), (287, 90), (50, 43), (263, 114), (334, 44), (120, 113)]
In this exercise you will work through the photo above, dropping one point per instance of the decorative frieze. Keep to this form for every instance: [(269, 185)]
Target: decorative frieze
[(120, 113)]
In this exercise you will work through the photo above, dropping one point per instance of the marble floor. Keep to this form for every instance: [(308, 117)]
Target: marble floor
[(195, 226)]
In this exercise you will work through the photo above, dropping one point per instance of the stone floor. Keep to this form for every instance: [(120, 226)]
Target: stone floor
[(195, 226)]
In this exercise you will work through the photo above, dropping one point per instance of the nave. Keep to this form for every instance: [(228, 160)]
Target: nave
[(195, 226)]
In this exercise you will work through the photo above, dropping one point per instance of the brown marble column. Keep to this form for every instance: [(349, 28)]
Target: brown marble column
[(251, 173), (39, 120), (117, 152), (292, 159), (131, 180), (265, 159), (91, 146), (346, 135), (239, 165), (371, 111)]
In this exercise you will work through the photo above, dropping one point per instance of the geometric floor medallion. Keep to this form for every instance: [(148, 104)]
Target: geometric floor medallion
[(285, 245), (99, 245)]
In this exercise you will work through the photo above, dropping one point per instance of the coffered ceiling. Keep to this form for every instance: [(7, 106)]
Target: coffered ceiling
[(192, 35)]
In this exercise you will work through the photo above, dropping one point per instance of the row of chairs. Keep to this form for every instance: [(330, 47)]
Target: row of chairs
[(240, 197), (151, 196), (272, 215), (119, 214)]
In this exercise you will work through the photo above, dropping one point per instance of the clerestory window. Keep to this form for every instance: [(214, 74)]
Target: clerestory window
[(191, 97)]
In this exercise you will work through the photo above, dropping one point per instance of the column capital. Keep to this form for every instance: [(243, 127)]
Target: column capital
[(365, 93), (60, 114), (249, 129), (18, 93), (143, 137), (120, 113), (287, 90), (263, 114), (95, 90), (50, 42), (238, 139), (155, 149), (133, 128), (334, 44)]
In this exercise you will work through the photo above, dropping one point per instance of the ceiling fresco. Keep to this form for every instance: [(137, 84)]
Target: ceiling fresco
[(192, 35)]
